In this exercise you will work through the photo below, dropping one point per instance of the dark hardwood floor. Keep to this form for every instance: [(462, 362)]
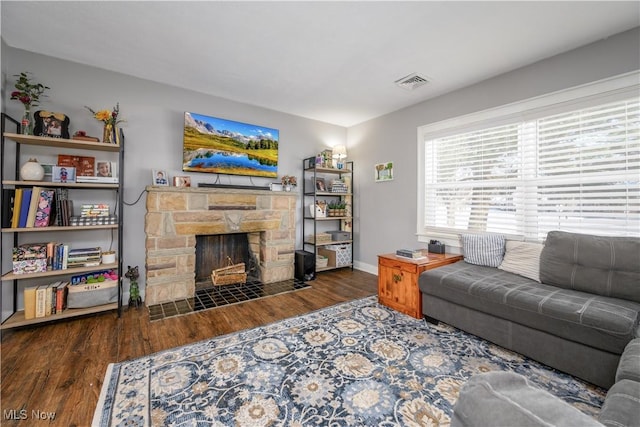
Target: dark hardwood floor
[(59, 367)]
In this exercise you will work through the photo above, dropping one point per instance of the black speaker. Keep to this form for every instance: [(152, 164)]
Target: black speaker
[(305, 266)]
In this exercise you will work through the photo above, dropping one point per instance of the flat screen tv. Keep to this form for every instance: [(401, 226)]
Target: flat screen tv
[(215, 145)]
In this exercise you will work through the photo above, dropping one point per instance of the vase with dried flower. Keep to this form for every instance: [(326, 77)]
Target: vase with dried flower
[(110, 120), (28, 93)]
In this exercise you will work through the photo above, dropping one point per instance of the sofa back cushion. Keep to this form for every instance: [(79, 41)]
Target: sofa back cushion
[(483, 249), (607, 266)]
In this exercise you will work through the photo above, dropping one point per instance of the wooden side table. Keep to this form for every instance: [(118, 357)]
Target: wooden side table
[(398, 280)]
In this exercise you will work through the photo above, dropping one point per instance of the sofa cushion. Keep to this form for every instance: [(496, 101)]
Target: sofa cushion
[(600, 322), (509, 399), (522, 258), (629, 366), (608, 266), (483, 249), (622, 405)]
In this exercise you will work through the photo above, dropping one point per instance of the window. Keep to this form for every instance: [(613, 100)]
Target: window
[(577, 170)]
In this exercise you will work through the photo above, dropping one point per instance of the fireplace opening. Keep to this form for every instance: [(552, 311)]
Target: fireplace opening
[(219, 250)]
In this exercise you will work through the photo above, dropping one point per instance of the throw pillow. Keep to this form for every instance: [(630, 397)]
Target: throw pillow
[(522, 258), (483, 249)]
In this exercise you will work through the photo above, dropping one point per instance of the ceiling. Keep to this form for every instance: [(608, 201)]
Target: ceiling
[(331, 61)]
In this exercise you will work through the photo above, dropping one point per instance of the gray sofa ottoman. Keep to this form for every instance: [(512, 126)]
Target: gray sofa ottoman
[(578, 320), (508, 399)]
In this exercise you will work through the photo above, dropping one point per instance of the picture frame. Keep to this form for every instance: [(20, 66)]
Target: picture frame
[(182, 181), (63, 174), (51, 125), (320, 185), (106, 169), (383, 172), (159, 177)]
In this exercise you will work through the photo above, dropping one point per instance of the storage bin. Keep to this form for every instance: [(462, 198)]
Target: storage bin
[(339, 255), (321, 261), (339, 235), (30, 266), (92, 294)]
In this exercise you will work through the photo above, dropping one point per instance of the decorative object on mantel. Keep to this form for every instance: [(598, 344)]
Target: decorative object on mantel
[(159, 177), (110, 120), (288, 181), (32, 171), (51, 125), (82, 136), (134, 292), (28, 93)]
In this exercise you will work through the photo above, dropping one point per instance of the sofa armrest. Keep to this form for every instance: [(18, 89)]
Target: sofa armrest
[(508, 399), (629, 365), (622, 405)]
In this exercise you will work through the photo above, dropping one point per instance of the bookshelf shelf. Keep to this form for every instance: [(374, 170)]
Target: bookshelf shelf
[(17, 319), (59, 184), (59, 228), (11, 161)]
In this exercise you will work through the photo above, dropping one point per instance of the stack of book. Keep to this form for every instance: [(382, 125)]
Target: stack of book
[(45, 300), (84, 257), (411, 253)]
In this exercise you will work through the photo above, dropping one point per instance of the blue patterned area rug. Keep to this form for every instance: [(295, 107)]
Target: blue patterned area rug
[(353, 364)]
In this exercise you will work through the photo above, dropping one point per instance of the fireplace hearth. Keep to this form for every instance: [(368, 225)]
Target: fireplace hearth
[(176, 216)]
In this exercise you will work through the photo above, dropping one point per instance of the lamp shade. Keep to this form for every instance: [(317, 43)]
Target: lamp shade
[(339, 152)]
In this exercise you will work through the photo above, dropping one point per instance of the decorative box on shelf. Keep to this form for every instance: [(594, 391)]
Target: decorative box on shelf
[(339, 255), (30, 258)]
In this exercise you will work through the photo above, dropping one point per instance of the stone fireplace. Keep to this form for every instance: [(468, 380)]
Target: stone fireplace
[(176, 215)]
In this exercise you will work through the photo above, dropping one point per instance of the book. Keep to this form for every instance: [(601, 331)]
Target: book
[(41, 296), (17, 202), (8, 201), (30, 302), (33, 206), (24, 207), (410, 252), (43, 212), (61, 297)]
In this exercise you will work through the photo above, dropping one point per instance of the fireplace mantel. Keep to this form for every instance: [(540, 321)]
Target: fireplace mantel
[(175, 215)]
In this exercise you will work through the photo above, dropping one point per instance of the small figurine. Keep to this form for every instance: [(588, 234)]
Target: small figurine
[(134, 292)]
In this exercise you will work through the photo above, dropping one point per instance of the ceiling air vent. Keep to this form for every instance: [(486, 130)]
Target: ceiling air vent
[(412, 81)]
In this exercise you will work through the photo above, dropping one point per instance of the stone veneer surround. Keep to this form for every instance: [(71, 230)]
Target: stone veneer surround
[(175, 215)]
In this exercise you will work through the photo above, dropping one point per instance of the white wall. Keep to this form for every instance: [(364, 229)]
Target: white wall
[(386, 212), (154, 114)]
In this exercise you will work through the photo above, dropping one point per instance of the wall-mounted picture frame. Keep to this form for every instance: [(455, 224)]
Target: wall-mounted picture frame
[(383, 172), (320, 185), (182, 181), (159, 177)]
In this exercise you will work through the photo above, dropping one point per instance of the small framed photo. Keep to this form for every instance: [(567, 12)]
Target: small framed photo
[(106, 169), (63, 174), (182, 181), (159, 177), (320, 186)]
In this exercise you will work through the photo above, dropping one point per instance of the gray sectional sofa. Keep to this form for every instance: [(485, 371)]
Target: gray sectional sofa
[(508, 399), (577, 318)]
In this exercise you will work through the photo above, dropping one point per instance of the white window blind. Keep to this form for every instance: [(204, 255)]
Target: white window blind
[(575, 171)]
